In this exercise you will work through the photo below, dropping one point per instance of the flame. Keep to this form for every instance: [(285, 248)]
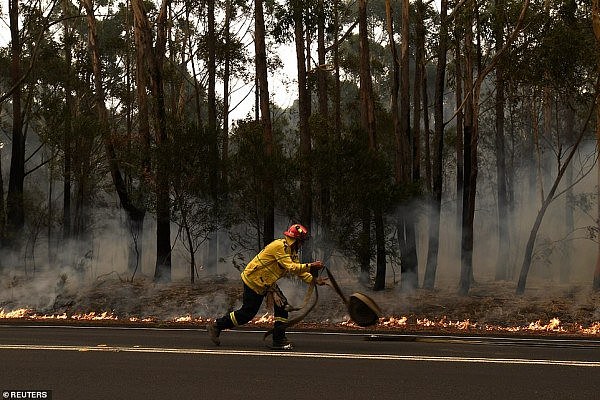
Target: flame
[(392, 322), (20, 313), (265, 319)]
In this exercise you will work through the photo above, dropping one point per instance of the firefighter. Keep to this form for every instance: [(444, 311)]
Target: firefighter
[(277, 259)]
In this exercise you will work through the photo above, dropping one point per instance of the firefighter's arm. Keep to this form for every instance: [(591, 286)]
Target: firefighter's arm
[(299, 269)]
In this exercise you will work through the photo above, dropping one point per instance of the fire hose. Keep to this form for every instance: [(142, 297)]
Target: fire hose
[(362, 309)]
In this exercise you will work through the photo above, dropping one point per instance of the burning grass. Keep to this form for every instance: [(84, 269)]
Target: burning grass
[(490, 309)]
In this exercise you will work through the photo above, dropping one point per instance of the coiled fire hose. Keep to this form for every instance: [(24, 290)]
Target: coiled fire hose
[(361, 308)]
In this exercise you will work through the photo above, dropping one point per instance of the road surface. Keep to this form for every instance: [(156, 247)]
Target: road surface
[(157, 363)]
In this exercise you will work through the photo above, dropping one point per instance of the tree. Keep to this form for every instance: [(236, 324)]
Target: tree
[(303, 125), (14, 202), (438, 151), (503, 232), (68, 128), (471, 137), (154, 60), (265, 118), (596, 26), (406, 229), (367, 108)]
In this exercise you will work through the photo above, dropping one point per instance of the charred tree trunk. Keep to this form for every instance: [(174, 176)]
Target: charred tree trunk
[(226, 77), (408, 248), (460, 123), (438, 147), (417, 91), (337, 101), (135, 215), (395, 110), (304, 129), (153, 61), (212, 100), (565, 265), (368, 125), (143, 43), (2, 211), (470, 166), (324, 137), (596, 26), (473, 90), (15, 213), (321, 71), (68, 129), (265, 117), (503, 218), (400, 166), (213, 133), (162, 272)]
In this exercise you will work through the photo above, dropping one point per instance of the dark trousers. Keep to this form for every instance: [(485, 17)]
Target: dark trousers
[(251, 302)]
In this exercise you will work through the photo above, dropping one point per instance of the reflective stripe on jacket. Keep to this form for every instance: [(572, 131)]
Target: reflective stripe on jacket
[(274, 261)]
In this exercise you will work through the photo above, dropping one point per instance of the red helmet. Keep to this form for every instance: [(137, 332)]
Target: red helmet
[(297, 231)]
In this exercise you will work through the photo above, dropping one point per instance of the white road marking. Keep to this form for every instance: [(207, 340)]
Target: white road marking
[(297, 354)]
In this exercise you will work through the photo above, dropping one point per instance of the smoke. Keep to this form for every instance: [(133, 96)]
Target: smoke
[(91, 275)]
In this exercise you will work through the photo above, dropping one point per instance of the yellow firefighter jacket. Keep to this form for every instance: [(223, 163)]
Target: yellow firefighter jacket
[(274, 261)]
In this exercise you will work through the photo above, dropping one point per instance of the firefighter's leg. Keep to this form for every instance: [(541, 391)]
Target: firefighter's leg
[(281, 318), (251, 302)]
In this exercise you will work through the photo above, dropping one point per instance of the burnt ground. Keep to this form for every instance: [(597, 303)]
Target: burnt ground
[(490, 308)]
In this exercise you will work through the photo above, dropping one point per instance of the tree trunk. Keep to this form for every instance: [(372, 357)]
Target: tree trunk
[(321, 71), (212, 100), (460, 123), (2, 211), (324, 182), (337, 102), (405, 94), (14, 202), (135, 215), (265, 117), (417, 91), (408, 252), (398, 164), (470, 167), (566, 263), (503, 219), (304, 129), (366, 85), (153, 59), (213, 134), (68, 129), (162, 272), (538, 221), (438, 147), (368, 125), (596, 26), (226, 76)]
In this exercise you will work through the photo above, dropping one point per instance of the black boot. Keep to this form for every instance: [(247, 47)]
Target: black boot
[(214, 332), (280, 341)]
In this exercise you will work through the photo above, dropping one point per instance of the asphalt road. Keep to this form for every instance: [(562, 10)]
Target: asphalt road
[(122, 363)]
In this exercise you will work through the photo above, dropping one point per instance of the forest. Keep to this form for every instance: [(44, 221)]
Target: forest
[(426, 140)]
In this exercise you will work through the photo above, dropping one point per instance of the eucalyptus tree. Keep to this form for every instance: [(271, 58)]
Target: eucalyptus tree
[(265, 119), (565, 74), (438, 149), (596, 28), (471, 131)]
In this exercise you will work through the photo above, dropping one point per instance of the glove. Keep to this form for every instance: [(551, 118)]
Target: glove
[(315, 266)]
